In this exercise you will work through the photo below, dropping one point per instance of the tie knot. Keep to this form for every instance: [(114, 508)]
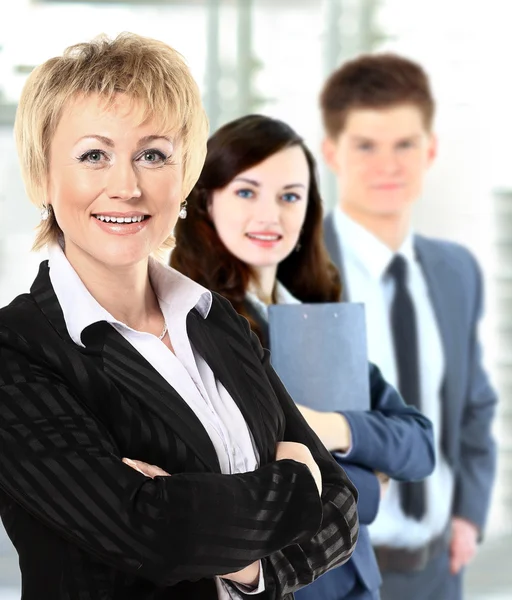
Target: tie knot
[(397, 269)]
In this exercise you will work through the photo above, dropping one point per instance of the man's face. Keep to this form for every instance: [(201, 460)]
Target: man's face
[(380, 160)]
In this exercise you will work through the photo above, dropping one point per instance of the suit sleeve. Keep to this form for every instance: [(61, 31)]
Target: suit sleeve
[(368, 490), (61, 465), (299, 564), (402, 443), (475, 477)]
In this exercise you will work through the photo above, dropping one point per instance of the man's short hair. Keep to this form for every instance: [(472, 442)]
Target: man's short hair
[(374, 81)]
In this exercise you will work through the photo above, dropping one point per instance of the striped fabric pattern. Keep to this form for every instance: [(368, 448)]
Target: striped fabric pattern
[(88, 527)]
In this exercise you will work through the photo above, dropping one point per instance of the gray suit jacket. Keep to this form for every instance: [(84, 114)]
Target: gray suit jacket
[(455, 286)]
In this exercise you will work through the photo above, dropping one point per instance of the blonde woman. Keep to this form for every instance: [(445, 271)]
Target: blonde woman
[(114, 363)]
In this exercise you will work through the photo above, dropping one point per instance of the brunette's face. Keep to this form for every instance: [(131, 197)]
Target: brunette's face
[(260, 213), (115, 185)]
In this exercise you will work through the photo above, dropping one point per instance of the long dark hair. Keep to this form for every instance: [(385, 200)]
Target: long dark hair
[(307, 273)]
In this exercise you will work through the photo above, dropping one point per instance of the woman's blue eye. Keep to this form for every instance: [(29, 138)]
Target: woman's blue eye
[(290, 197), (92, 156), (245, 193), (365, 147), (152, 156)]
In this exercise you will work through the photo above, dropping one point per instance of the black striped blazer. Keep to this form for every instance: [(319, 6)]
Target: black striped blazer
[(88, 527)]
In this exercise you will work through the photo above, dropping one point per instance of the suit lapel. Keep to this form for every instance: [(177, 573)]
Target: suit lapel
[(234, 364), (446, 307), (130, 372), (45, 298), (133, 374)]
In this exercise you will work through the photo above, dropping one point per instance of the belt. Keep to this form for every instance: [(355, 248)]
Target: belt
[(403, 560)]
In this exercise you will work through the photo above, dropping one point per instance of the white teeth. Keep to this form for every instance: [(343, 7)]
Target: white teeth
[(264, 238), (107, 219)]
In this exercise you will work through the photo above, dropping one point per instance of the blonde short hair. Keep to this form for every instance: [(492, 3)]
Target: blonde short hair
[(147, 70)]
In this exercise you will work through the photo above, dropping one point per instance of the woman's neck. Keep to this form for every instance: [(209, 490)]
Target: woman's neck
[(125, 292), (264, 283)]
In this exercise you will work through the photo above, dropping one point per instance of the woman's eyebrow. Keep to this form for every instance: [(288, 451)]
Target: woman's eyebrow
[(147, 139), (247, 180), (101, 138), (292, 185)]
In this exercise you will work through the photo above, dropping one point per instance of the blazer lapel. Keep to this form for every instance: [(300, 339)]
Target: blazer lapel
[(130, 372), (234, 365), (446, 307), (45, 298)]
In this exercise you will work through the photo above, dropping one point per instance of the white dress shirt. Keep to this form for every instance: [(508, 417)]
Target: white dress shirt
[(185, 370), (365, 260)]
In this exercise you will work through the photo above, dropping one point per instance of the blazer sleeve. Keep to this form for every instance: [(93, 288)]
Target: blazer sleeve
[(475, 476), (368, 489), (61, 465), (392, 437), (299, 564)]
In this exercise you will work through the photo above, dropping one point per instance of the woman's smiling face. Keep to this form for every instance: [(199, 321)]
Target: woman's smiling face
[(259, 214), (115, 184)]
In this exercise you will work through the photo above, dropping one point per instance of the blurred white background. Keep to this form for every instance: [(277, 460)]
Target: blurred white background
[(272, 56)]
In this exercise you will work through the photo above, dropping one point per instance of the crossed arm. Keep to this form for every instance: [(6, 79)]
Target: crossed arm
[(59, 462)]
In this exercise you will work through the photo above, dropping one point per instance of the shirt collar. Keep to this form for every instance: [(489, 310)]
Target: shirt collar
[(81, 309), (362, 247), (283, 296)]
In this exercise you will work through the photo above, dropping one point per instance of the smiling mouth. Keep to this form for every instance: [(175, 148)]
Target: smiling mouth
[(270, 237), (121, 220)]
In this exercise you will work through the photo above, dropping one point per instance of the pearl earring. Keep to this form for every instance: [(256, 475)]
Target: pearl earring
[(46, 211), (183, 211)]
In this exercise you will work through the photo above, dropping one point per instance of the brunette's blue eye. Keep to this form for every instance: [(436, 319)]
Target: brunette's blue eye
[(245, 193), (290, 197)]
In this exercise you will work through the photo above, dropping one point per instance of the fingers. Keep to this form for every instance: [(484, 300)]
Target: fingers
[(462, 551), (145, 468), (455, 561)]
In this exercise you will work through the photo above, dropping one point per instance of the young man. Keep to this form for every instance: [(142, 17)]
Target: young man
[(423, 301)]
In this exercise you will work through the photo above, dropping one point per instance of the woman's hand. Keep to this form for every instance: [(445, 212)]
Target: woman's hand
[(145, 468), (332, 428), (300, 453), (248, 576)]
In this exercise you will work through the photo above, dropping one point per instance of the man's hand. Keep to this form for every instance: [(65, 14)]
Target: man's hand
[(332, 428), (463, 544), (145, 468)]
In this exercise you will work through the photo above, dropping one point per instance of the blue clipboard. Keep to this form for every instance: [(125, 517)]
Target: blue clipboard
[(320, 353)]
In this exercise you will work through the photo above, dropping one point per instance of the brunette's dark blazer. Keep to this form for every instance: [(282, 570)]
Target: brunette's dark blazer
[(88, 527)]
